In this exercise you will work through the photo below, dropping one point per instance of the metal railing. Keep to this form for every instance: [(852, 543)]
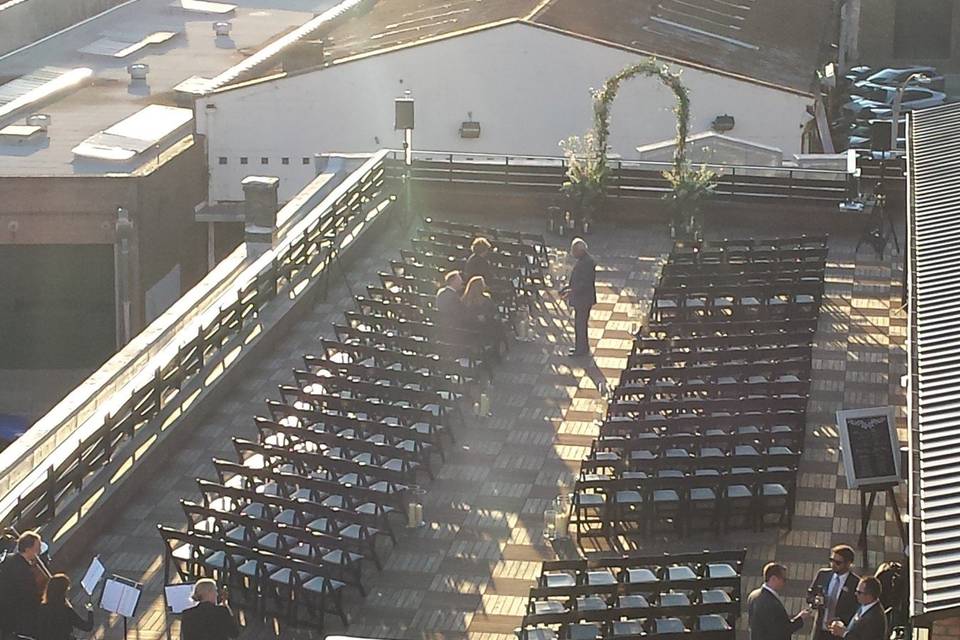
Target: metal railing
[(628, 178), (133, 400)]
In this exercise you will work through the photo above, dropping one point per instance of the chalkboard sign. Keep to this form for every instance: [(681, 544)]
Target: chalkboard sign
[(870, 447)]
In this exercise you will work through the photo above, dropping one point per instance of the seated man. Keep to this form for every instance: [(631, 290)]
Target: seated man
[(448, 302)]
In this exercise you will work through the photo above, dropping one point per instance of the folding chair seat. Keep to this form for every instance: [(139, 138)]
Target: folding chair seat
[(666, 498), (600, 578), (668, 625), (633, 601), (674, 599), (535, 633), (737, 499), (558, 579), (638, 575), (583, 631), (715, 596), (589, 504), (590, 603), (713, 622), (548, 607), (703, 501), (621, 628)]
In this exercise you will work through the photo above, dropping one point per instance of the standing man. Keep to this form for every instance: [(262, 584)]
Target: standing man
[(870, 621), (768, 616), (20, 592), (838, 585), (581, 294)]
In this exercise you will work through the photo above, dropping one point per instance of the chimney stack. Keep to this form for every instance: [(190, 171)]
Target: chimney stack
[(260, 212)]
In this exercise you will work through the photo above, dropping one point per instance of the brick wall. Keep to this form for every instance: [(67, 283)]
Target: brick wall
[(948, 629)]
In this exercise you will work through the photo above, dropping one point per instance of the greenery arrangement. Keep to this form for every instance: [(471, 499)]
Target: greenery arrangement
[(587, 171)]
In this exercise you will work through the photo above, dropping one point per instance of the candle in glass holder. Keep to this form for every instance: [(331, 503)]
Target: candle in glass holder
[(549, 524)]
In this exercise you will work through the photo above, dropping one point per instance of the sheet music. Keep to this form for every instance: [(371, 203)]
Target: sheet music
[(93, 575), (120, 596), (178, 597)]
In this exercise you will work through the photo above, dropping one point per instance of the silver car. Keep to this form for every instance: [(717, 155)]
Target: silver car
[(878, 97)]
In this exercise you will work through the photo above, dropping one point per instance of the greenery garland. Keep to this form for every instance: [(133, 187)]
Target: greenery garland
[(587, 177)]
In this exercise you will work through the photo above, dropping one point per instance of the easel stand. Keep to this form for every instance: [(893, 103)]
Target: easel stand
[(881, 224), (868, 496)]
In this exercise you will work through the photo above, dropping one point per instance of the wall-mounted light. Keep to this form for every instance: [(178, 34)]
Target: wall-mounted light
[(470, 128)]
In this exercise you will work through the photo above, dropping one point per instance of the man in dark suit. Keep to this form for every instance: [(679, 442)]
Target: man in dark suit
[(581, 294), (870, 621), (448, 299), (768, 617), (210, 619), (19, 592), (838, 586)]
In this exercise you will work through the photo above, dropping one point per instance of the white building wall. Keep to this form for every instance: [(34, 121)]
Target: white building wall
[(528, 88)]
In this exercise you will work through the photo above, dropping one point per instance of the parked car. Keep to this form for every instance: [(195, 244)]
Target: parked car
[(11, 428), (894, 78), (880, 98)]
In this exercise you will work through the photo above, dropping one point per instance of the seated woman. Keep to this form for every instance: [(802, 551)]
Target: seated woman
[(57, 619), (480, 314)]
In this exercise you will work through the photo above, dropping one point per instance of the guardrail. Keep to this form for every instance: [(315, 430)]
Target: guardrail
[(628, 178), (134, 399)]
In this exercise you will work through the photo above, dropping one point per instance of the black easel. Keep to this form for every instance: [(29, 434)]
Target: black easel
[(881, 225), (868, 496)]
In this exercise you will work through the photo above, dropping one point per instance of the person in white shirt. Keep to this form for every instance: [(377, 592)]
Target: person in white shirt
[(870, 620)]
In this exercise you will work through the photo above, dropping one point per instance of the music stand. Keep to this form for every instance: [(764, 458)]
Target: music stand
[(121, 596)]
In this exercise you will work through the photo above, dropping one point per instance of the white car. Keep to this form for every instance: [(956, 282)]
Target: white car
[(878, 97)]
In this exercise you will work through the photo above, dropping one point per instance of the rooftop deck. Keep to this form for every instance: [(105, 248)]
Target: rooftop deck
[(467, 574)]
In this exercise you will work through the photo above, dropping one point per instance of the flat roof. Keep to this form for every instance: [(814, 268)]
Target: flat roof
[(194, 50)]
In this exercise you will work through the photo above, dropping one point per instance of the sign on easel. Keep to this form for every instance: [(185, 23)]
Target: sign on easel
[(870, 447)]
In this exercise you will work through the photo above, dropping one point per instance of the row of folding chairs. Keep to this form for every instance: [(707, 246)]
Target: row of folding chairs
[(527, 243), (274, 584), (636, 595), (749, 304), (708, 500)]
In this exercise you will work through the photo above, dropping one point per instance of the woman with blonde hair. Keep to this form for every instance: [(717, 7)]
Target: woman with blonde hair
[(57, 618)]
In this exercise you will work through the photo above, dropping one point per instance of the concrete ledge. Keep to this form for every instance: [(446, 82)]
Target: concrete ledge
[(25, 21)]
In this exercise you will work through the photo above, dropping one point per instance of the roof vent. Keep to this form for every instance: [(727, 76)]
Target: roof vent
[(221, 28), (42, 120), (21, 134), (138, 71)]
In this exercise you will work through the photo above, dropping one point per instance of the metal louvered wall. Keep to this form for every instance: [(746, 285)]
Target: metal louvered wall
[(934, 393)]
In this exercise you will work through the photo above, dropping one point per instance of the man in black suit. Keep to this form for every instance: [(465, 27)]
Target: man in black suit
[(768, 616), (838, 586), (19, 592), (870, 621), (448, 299), (581, 294)]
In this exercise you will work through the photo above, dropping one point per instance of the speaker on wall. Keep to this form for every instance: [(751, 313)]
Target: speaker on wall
[(403, 113)]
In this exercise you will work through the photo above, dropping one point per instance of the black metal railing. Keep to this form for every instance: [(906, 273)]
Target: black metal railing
[(304, 254), (628, 178)]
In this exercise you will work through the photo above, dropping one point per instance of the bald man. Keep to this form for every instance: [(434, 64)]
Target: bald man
[(581, 294)]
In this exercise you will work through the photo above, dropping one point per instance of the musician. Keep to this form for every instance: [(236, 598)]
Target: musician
[(212, 618), (57, 618), (448, 299), (22, 583)]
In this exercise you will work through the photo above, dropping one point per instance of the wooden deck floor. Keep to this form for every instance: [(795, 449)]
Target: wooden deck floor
[(466, 575)]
